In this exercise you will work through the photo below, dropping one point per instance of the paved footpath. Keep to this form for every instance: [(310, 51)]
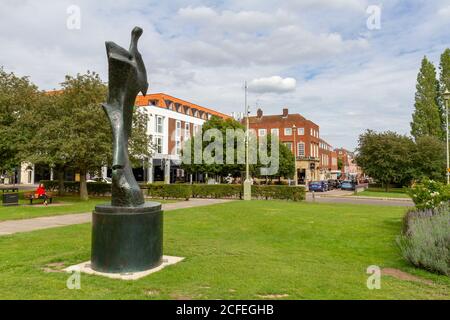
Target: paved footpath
[(26, 225)]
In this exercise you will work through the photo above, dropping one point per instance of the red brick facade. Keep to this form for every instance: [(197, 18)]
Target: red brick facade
[(315, 158)]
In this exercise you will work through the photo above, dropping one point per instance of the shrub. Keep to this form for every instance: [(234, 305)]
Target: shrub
[(98, 188), (279, 192), (50, 185), (94, 188), (425, 240), (429, 194), (221, 191), (169, 191), (217, 191)]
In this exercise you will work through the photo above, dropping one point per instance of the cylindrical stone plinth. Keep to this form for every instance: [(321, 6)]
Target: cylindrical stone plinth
[(127, 239)]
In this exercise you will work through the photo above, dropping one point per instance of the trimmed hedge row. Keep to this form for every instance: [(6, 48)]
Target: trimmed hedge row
[(186, 191), (169, 191), (94, 188), (220, 191)]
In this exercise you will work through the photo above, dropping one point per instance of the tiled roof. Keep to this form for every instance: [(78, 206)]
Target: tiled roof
[(162, 97)]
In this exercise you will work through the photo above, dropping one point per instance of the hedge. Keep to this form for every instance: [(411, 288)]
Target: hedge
[(94, 188), (221, 191), (186, 191), (217, 191), (169, 191)]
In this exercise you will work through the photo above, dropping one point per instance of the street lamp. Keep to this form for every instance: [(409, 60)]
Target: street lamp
[(294, 130), (247, 182), (446, 96)]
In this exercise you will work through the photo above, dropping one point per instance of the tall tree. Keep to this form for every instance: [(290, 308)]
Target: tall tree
[(225, 168), (70, 129), (429, 158), (17, 94), (427, 116), (386, 157), (444, 81)]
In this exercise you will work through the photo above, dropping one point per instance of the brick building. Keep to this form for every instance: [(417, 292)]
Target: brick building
[(349, 169), (315, 158)]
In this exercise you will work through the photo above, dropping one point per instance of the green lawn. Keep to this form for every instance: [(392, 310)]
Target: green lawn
[(382, 194), (236, 250), (62, 205)]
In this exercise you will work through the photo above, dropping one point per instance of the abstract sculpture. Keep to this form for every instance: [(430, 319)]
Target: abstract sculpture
[(126, 234)]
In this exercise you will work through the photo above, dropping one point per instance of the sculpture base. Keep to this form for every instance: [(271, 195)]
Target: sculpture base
[(127, 239), (85, 267)]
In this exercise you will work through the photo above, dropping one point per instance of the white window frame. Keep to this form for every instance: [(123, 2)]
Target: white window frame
[(302, 144), (187, 129), (288, 131), (301, 131), (275, 132), (262, 132), (159, 127), (178, 129), (159, 146)]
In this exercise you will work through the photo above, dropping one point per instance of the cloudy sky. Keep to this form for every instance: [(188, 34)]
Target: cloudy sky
[(326, 59)]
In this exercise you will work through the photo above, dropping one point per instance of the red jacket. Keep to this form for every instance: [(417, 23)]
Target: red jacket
[(40, 191)]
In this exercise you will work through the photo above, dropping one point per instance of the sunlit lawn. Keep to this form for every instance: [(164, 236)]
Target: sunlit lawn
[(236, 250), (382, 194), (61, 205)]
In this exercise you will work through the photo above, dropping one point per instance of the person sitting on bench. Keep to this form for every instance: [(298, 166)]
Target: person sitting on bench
[(41, 194)]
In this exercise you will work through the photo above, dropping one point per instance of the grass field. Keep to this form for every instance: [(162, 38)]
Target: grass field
[(62, 205), (236, 250), (382, 194)]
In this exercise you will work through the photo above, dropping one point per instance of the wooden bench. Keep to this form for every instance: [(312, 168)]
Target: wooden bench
[(33, 196)]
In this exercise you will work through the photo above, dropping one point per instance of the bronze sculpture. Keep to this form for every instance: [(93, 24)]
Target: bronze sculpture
[(127, 77), (126, 234)]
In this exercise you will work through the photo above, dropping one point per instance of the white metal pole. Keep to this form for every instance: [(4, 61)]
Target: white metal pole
[(446, 121), (247, 135), (247, 182)]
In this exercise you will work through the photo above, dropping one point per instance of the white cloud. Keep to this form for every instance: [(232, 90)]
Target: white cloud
[(348, 78), (445, 11), (275, 84)]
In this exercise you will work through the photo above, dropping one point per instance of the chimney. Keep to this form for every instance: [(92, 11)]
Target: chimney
[(285, 112), (259, 113)]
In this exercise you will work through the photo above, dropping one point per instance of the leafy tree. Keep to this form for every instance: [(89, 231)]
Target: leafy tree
[(444, 82), (427, 116), (224, 169), (70, 129), (386, 156), (17, 94), (286, 158), (429, 158)]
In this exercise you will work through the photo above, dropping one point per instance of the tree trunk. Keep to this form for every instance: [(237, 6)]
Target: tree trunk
[(83, 185), (60, 173)]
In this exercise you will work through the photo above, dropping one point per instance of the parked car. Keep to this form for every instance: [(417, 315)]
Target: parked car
[(333, 184), (321, 186), (347, 185)]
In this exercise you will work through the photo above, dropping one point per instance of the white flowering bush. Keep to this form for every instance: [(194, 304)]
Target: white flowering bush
[(429, 194)]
